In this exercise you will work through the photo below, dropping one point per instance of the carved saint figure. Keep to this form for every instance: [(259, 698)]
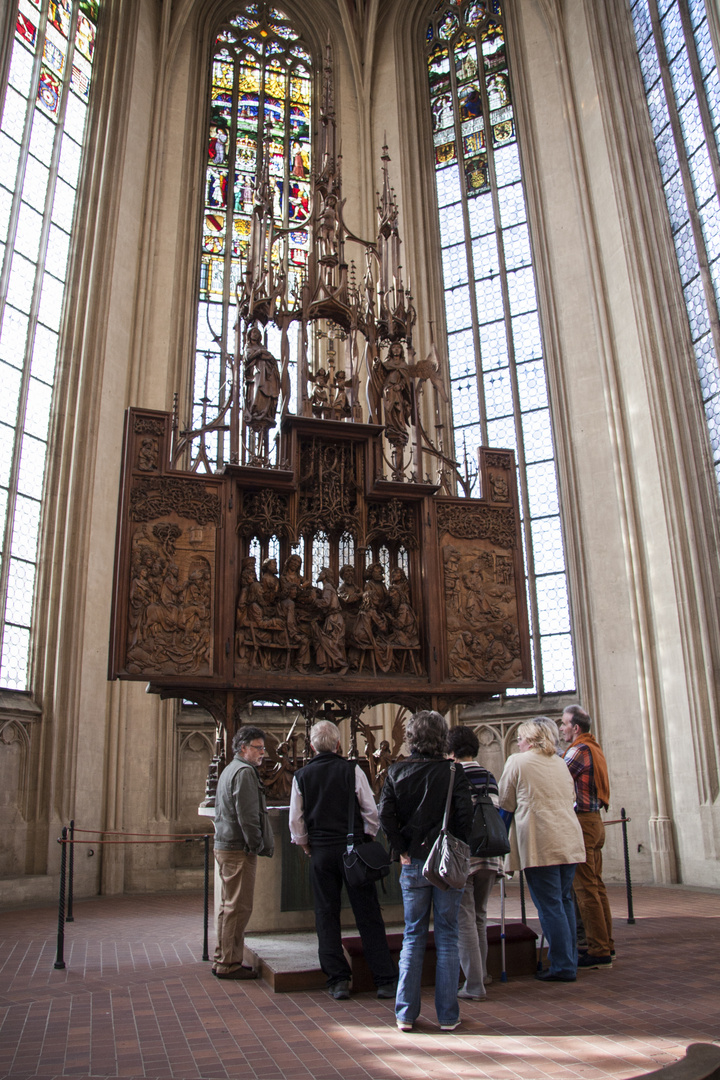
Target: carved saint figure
[(330, 637), (349, 592), (340, 405), (397, 394), (262, 381), (293, 590), (328, 226), (320, 397), (370, 628), (148, 455), (401, 616), (499, 486)]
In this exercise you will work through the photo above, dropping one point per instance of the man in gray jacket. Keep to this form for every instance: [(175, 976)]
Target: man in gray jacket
[(242, 832)]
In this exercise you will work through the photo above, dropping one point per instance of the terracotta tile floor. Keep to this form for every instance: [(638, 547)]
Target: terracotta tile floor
[(136, 1000)]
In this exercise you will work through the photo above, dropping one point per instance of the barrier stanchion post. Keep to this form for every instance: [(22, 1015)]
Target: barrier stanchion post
[(71, 874), (59, 960), (522, 897), (206, 955), (626, 853)]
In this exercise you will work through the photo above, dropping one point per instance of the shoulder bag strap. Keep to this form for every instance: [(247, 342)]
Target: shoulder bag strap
[(446, 815), (351, 811)]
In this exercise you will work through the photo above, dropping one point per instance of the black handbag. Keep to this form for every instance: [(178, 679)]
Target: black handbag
[(448, 864), (489, 836), (364, 862)]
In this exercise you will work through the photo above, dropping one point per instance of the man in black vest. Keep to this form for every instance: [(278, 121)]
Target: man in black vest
[(319, 824)]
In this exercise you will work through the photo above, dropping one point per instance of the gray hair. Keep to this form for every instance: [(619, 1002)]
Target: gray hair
[(324, 736), (426, 733)]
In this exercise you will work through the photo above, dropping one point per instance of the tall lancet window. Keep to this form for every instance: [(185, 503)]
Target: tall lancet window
[(680, 73), (44, 111), (260, 98), (497, 370)]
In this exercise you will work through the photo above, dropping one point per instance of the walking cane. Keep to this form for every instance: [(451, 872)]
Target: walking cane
[(540, 962), (503, 973)]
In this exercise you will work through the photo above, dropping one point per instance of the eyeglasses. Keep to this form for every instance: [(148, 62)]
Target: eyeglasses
[(255, 746)]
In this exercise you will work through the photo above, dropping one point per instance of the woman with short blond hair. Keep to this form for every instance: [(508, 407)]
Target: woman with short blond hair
[(546, 839)]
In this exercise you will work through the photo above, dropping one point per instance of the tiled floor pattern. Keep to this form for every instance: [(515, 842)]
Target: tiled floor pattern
[(136, 1000)]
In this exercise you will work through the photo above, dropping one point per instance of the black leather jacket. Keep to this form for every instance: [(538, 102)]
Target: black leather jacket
[(413, 802)]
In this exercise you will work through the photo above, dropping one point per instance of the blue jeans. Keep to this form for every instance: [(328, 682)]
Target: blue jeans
[(419, 896), (552, 893)]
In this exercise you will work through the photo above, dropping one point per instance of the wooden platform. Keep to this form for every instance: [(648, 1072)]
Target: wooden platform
[(289, 962)]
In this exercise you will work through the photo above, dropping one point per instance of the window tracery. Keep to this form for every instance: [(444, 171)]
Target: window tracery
[(497, 372), (42, 131), (682, 87), (260, 108)]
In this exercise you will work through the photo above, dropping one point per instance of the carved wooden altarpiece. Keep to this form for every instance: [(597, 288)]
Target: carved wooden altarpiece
[(332, 566), (428, 608)]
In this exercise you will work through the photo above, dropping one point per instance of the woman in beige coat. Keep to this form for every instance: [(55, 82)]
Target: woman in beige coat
[(546, 839)]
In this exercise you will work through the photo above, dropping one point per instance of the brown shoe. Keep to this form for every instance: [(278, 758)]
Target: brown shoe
[(237, 973)]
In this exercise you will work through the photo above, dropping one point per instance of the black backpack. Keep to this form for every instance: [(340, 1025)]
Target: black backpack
[(488, 837)]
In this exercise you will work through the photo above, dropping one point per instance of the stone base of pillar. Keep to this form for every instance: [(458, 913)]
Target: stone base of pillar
[(662, 850)]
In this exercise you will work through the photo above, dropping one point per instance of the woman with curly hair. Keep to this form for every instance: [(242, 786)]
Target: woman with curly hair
[(411, 813)]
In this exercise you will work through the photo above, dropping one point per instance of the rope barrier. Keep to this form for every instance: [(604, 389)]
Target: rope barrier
[(66, 881), (121, 832), (94, 843)]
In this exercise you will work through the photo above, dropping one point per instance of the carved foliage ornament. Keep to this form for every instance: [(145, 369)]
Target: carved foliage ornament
[(328, 502), (154, 498), (495, 459), (265, 514), (394, 522), (496, 524), (147, 425)]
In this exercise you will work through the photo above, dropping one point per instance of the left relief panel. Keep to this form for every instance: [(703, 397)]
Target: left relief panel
[(167, 562)]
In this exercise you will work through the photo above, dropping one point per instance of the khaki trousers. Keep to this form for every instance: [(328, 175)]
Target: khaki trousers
[(589, 887), (237, 873)]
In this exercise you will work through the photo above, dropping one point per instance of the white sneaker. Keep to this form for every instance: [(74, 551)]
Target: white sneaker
[(450, 1027), (404, 1025), (463, 994)]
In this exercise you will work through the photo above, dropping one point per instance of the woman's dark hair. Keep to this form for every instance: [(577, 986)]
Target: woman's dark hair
[(462, 742), (426, 734)]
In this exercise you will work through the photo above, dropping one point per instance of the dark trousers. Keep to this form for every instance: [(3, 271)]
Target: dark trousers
[(327, 877)]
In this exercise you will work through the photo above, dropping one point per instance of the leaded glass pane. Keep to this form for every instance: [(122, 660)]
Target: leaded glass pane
[(9, 154), (19, 592), (15, 653), (260, 108), (548, 546), (473, 124), (29, 227), (43, 103), (493, 345)]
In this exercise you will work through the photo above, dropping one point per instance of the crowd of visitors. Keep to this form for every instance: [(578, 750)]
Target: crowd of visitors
[(551, 802)]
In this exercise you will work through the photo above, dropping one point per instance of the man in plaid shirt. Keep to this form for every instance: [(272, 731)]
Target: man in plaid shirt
[(587, 764)]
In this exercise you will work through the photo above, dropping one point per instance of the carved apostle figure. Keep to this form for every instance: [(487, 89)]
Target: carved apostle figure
[(330, 636), (262, 381), (401, 615)]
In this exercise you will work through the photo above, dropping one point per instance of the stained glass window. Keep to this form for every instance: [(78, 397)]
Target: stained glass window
[(680, 74), (497, 369), (44, 114), (260, 101)]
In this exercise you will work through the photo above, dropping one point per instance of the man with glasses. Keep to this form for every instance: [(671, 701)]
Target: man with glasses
[(242, 832)]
